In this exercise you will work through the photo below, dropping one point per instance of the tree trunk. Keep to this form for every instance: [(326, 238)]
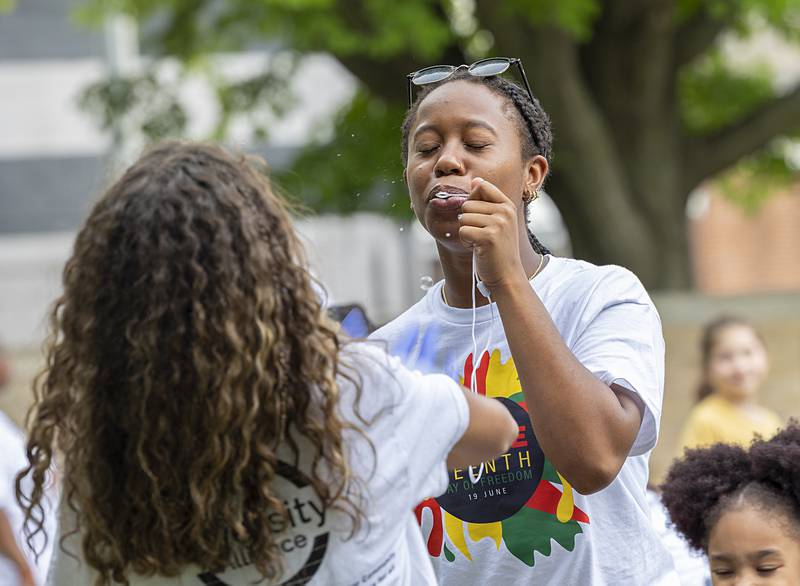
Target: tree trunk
[(661, 261)]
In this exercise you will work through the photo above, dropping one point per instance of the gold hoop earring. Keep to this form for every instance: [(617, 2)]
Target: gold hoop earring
[(534, 196)]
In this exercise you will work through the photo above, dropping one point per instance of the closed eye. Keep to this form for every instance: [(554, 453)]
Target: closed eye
[(427, 149), (722, 572), (477, 146)]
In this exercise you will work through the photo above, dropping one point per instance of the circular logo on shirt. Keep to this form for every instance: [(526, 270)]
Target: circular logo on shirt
[(507, 483), (302, 542)]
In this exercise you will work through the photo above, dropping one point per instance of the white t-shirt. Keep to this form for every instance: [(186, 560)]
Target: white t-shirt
[(522, 523), (12, 461), (408, 464), (692, 566)]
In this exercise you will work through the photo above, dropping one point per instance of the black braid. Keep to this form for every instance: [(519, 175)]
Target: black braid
[(532, 122), (538, 247)]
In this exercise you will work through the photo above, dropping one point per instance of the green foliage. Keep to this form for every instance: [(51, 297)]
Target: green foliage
[(574, 16), (712, 95), (7, 5), (155, 106), (757, 177), (189, 28), (742, 15), (360, 169)]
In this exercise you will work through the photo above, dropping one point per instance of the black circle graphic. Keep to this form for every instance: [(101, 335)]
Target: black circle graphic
[(506, 484), (318, 548)]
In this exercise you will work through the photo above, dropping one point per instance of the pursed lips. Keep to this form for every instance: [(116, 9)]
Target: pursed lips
[(446, 198), (445, 192)]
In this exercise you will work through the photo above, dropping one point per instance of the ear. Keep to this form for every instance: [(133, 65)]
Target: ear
[(536, 170)]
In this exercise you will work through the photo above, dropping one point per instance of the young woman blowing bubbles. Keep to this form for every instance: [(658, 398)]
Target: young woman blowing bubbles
[(212, 426), (576, 354)]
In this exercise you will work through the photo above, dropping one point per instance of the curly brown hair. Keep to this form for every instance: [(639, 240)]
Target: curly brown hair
[(707, 482), (187, 342)]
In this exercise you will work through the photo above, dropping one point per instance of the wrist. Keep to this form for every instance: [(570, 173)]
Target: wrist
[(508, 285)]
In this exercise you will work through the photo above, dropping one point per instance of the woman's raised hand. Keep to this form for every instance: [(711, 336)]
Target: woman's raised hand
[(489, 225)]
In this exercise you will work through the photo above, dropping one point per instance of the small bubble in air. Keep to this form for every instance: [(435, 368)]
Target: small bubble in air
[(338, 154), (401, 228), (352, 136), (425, 283), (358, 194), (394, 204), (447, 234), (394, 181)]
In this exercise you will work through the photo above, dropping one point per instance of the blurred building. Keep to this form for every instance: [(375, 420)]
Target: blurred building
[(735, 251)]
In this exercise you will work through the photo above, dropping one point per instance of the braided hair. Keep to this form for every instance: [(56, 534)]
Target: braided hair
[(708, 482), (532, 122)]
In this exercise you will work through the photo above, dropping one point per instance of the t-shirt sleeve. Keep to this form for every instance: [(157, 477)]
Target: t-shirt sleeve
[(428, 415), (431, 418), (622, 345), (6, 491)]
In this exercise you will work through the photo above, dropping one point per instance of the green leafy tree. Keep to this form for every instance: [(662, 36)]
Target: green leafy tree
[(643, 104)]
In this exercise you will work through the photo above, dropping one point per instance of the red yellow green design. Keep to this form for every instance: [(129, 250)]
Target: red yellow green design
[(549, 515)]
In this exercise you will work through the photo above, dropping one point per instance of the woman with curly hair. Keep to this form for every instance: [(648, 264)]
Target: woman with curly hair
[(212, 426), (741, 507)]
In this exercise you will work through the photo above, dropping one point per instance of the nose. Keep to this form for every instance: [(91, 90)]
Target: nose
[(449, 162)]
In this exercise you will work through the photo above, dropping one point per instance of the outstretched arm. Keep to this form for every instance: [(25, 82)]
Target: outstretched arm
[(490, 432)]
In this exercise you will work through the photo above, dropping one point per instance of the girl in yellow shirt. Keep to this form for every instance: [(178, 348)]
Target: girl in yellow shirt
[(735, 365)]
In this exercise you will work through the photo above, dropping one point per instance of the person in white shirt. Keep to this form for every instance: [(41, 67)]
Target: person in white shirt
[(573, 349), (18, 563), (213, 425)]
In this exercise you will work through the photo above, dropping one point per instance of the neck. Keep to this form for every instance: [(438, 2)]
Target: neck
[(457, 269), (739, 401)]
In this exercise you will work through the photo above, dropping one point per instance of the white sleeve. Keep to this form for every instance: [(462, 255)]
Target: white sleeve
[(623, 345), (429, 414)]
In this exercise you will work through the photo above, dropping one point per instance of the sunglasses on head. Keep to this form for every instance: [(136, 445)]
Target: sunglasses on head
[(482, 68)]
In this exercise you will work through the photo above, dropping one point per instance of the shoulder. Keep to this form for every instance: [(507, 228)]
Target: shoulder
[(602, 282), (707, 411)]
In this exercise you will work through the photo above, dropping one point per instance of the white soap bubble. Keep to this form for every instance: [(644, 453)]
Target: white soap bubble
[(425, 283), (447, 234), (401, 228)]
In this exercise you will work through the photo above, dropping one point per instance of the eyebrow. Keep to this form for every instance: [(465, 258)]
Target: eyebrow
[(721, 557), (474, 123)]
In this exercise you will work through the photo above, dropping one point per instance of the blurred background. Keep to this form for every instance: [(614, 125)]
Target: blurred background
[(677, 144)]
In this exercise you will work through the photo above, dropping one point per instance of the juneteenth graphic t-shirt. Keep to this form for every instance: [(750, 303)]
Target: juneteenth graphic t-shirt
[(522, 522), (414, 420)]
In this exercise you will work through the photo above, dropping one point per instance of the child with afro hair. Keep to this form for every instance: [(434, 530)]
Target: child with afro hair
[(741, 507)]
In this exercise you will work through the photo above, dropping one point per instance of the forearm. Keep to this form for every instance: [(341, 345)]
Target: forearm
[(584, 427)]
